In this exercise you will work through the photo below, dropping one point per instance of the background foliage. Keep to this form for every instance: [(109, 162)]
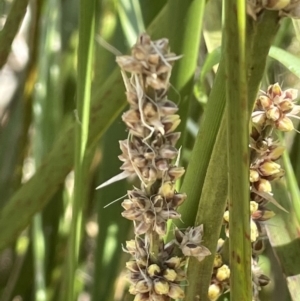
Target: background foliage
[(42, 83)]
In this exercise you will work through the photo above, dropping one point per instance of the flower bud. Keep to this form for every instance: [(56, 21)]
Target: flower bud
[(273, 114), (275, 90), (153, 270), (226, 216), (265, 102), (153, 59), (150, 110), (223, 273), (284, 124), (141, 297), (276, 152), (214, 292), (220, 243), (218, 260), (149, 216), (131, 246), (263, 185), (167, 189), (131, 116), (167, 107), (181, 276), (176, 292), (286, 106), (132, 266), (178, 199), (129, 64), (162, 164), (259, 119), (132, 290), (131, 214), (168, 152), (142, 286), (276, 176), (152, 175), (263, 215), (254, 176), (170, 122), (269, 168), (161, 287), (132, 98), (170, 274), (173, 262), (176, 172), (253, 231), (253, 207)]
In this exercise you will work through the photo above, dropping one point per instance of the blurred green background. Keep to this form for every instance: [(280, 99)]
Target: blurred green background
[(40, 80)]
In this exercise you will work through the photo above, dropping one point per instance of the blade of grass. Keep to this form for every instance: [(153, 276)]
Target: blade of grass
[(131, 19), (201, 153), (259, 39), (84, 80), (185, 41), (11, 27), (211, 60), (113, 229), (290, 61), (210, 213), (47, 110), (237, 148)]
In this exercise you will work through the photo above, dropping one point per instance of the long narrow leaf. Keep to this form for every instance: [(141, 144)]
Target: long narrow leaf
[(11, 27), (290, 61), (237, 148), (84, 81)]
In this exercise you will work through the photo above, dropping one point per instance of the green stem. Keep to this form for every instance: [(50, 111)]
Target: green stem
[(210, 214), (84, 79), (237, 148)]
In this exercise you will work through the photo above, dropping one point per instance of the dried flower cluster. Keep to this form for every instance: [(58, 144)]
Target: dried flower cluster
[(149, 153), (289, 8), (272, 112)]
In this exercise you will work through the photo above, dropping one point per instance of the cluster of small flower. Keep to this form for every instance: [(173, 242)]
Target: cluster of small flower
[(289, 8), (155, 272), (220, 279), (273, 110)]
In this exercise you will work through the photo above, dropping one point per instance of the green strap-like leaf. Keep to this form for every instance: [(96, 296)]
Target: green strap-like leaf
[(290, 61)]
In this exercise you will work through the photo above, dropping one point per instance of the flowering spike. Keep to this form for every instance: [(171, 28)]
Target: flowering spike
[(150, 154)]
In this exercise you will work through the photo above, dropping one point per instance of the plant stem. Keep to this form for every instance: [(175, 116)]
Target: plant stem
[(237, 148), (210, 214), (84, 79)]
